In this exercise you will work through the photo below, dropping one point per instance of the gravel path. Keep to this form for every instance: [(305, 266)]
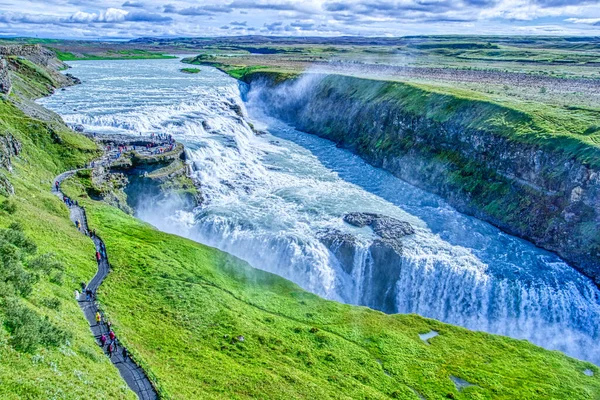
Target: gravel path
[(131, 372)]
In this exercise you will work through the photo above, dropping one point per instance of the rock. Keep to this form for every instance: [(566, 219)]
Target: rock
[(77, 128), (383, 226), (360, 219), (342, 245), (460, 383), (236, 108), (9, 147), (391, 228), (382, 268), (384, 259), (6, 188), (74, 79), (5, 82)]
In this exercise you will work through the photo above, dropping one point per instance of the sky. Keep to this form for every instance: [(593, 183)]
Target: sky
[(126, 19)]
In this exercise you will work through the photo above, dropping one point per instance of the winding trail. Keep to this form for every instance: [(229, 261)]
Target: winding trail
[(132, 373)]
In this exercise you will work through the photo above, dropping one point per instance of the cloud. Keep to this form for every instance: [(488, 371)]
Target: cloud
[(198, 10), (109, 15), (132, 4), (275, 26), (140, 16), (587, 21), (302, 25), (89, 18), (563, 3)]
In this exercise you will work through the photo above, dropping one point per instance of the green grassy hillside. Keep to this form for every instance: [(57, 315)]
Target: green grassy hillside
[(46, 348), (184, 309), (205, 324)]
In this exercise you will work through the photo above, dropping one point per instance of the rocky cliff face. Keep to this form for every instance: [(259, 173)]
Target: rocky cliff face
[(380, 269), (43, 64), (34, 53), (5, 83), (539, 194)]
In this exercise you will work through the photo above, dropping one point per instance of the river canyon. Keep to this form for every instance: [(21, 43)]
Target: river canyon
[(281, 199)]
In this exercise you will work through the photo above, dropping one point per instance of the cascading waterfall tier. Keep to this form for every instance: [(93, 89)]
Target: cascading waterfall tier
[(271, 199)]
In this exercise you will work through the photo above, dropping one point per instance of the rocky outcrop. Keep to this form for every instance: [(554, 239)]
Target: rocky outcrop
[(141, 175), (35, 53), (453, 148), (9, 147), (46, 69), (383, 226), (379, 269), (5, 83)]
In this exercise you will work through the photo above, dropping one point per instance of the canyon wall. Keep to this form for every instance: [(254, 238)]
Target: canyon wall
[(472, 153)]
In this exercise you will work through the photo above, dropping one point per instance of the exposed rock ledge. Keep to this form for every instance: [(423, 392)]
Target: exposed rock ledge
[(384, 260)]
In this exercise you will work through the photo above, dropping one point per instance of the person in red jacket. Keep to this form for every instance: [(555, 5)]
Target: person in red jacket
[(98, 256)]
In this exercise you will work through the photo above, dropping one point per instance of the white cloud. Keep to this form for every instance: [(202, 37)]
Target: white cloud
[(133, 18)]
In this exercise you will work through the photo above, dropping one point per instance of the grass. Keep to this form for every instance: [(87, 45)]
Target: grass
[(190, 70), (570, 131), (206, 325), (111, 55), (181, 306), (77, 368)]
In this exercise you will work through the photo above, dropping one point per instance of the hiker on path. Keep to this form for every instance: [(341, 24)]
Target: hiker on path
[(56, 184), (83, 285), (76, 294), (89, 295), (103, 339), (98, 318), (98, 256), (111, 335), (125, 354), (110, 350)]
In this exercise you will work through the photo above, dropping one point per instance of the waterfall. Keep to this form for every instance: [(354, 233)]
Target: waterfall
[(269, 198)]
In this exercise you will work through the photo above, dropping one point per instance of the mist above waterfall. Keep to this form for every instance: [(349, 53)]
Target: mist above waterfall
[(270, 197)]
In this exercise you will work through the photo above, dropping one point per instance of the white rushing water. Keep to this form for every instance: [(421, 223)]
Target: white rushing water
[(269, 196)]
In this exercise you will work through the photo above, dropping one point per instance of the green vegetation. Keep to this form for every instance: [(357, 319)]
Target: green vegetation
[(46, 347), (111, 55), (571, 132), (190, 70), (194, 314), (206, 325)]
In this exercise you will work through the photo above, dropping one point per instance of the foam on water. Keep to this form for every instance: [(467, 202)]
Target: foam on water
[(268, 196)]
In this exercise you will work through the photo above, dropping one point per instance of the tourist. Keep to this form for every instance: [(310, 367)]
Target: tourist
[(125, 354), (76, 294), (111, 335), (110, 350), (98, 318), (98, 256), (103, 339)]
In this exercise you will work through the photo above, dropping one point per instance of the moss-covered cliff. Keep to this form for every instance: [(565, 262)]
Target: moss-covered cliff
[(512, 168)]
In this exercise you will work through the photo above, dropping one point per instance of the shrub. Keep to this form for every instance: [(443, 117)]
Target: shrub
[(8, 206), (29, 330)]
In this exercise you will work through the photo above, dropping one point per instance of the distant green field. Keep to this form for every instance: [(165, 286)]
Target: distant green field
[(111, 55)]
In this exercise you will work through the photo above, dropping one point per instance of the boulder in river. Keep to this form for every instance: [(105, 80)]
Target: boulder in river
[(382, 225)]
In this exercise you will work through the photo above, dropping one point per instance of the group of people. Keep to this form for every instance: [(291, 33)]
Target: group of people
[(89, 293), (109, 341)]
